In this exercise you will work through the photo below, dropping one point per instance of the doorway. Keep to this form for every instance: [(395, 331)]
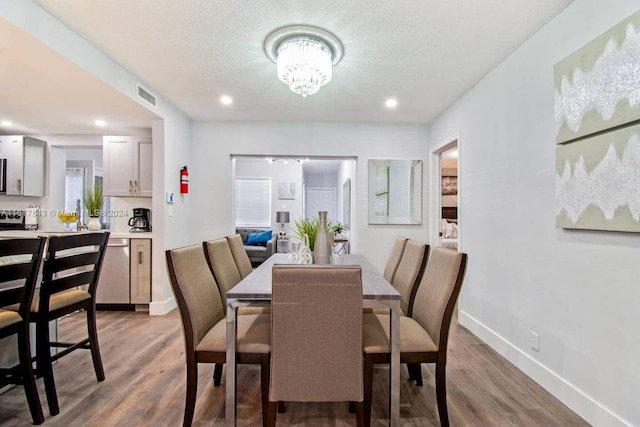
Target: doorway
[(312, 184), (445, 224)]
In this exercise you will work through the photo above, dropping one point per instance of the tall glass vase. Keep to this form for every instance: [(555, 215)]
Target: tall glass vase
[(323, 246)]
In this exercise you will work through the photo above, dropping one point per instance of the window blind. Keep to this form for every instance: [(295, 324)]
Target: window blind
[(253, 202)]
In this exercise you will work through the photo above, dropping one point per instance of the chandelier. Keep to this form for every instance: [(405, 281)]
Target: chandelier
[(304, 57)]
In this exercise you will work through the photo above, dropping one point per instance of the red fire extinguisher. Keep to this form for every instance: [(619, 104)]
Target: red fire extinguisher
[(184, 181)]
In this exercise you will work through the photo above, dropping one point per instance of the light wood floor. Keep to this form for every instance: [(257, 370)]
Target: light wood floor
[(144, 364)]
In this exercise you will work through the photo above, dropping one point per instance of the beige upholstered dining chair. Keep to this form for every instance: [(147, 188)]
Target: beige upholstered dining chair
[(316, 336), (407, 275), (223, 265), (394, 258), (424, 336), (410, 269), (205, 330), (19, 264), (240, 255), (220, 259)]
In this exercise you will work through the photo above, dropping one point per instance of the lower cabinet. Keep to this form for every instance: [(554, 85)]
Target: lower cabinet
[(126, 273), (140, 271)]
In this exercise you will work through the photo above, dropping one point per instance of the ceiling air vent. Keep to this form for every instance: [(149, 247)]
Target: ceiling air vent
[(146, 95)]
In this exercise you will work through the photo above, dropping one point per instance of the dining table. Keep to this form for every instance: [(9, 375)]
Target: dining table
[(255, 290)]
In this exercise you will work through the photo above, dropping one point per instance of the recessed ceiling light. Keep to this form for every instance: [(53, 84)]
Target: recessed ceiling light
[(226, 100), (391, 103), (100, 123), (6, 123)]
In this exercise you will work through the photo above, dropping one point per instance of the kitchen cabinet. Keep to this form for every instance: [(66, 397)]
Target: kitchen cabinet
[(127, 162), (140, 268), (22, 166), (125, 278)]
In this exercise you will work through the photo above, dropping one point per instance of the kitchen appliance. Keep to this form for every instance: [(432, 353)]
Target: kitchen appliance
[(113, 285), (12, 219), (141, 220)]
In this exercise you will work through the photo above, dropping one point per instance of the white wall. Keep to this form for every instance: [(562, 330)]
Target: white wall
[(577, 289), (82, 154), (324, 179), (215, 142)]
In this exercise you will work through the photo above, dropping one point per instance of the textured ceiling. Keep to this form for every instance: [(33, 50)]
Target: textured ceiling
[(425, 53)]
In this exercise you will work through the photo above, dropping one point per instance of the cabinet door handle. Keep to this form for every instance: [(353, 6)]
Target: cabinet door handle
[(19, 185), (135, 185), (140, 257), (130, 187)]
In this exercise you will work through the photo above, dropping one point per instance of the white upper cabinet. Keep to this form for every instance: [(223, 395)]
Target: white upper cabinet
[(127, 162), (143, 183), (25, 165)]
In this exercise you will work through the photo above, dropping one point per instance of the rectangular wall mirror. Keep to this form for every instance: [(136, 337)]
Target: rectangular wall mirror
[(395, 191)]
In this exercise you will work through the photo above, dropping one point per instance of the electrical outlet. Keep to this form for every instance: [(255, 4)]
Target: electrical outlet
[(535, 341)]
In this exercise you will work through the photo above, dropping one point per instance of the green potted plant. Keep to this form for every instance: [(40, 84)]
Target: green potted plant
[(310, 228), (93, 203), (338, 228)]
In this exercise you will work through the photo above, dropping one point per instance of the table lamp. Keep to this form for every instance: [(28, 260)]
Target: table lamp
[(282, 217)]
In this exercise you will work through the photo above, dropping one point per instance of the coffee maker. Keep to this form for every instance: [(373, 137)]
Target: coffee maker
[(141, 220)]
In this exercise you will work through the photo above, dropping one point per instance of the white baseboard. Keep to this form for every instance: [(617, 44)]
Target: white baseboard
[(162, 308), (585, 406)]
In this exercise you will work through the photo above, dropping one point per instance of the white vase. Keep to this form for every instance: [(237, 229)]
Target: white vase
[(94, 224)]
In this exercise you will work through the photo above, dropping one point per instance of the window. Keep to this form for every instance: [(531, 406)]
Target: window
[(253, 202), (74, 190)]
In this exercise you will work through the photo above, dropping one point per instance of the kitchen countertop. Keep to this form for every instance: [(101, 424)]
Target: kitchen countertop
[(7, 234)]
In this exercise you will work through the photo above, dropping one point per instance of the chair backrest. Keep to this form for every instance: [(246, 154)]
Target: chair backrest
[(409, 272), (196, 292), (316, 342), (394, 258), (438, 292), (223, 266), (240, 255), (19, 265), (72, 261)]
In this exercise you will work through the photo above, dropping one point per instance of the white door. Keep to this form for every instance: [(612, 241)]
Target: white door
[(321, 199)]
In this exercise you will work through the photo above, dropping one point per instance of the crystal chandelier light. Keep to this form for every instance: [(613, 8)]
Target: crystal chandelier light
[(304, 57)]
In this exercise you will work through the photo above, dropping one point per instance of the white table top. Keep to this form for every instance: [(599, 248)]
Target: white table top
[(257, 285)]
